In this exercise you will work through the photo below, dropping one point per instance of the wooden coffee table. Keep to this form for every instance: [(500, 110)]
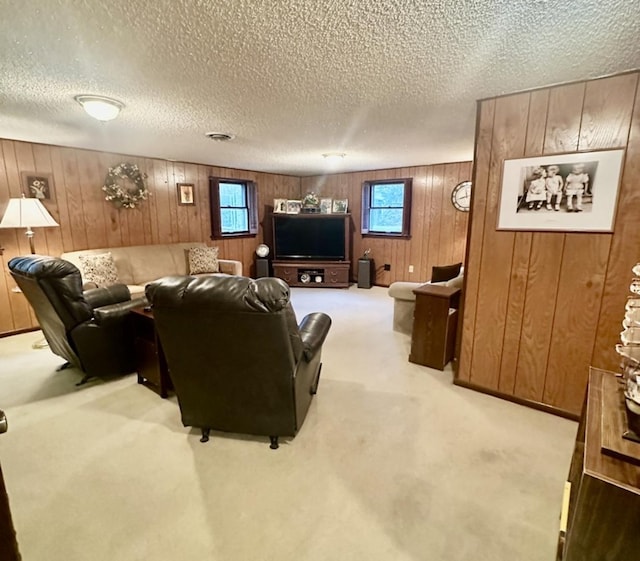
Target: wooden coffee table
[(151, 363)]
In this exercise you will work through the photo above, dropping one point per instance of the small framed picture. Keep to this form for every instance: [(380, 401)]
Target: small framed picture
[(279, 205), (186, 194), (340, 205), (37, 185), (293, 206), (325, 206)]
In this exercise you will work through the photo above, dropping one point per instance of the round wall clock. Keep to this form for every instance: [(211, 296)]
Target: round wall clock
[(461, 196)]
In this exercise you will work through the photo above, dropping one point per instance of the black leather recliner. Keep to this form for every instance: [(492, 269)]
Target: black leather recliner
[(91, 330), (238, 360)]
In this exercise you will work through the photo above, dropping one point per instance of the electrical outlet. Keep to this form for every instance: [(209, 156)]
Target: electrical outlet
[(387, 267), (411, 268)]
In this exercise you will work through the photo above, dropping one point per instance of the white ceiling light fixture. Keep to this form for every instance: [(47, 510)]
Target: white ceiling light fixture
[(333, 158), (100, 107), (219, 136)]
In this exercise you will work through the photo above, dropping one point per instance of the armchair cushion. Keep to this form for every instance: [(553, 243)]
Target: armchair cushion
[(445, 273), (313, 331), (98, 297), (117, 311)]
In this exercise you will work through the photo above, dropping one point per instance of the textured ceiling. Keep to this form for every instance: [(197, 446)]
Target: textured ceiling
[(390, 82)]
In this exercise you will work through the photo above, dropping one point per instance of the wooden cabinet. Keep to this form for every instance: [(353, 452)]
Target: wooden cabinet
[(601, 508), (312, 249), (434, 325), (334, 274)]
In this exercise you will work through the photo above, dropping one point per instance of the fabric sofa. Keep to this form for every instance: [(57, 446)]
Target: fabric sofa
[(141, 264), (405, 300)]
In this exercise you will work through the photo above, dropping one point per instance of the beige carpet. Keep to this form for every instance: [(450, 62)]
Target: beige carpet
[(393, 463)]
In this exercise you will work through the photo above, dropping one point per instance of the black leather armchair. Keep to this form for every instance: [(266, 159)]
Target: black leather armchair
[(238, 360), (91, 330)]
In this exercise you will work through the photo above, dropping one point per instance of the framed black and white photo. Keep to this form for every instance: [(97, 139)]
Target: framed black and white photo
[(574, 192)]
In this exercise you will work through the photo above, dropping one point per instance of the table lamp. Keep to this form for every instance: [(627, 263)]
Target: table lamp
[(27, 213)]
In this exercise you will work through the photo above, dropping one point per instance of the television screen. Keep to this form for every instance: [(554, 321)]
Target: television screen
[(319, 238)]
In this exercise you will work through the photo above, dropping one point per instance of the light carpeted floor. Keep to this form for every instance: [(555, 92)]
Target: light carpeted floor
[(393, 462)]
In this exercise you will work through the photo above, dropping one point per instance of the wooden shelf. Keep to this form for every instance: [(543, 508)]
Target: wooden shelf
[(603, 514)]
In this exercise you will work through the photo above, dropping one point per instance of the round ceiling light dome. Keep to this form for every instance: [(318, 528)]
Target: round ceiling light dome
[(333, 157), (219, 136), (100, 107)]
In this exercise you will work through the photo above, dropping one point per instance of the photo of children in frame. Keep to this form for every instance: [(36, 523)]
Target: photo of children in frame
[(571, 192), (563, 187)]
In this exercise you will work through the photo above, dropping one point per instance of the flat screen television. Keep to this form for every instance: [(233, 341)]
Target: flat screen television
[(309, 237)]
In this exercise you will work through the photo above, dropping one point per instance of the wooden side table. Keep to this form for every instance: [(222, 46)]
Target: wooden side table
[(151, 363), (434, 325)]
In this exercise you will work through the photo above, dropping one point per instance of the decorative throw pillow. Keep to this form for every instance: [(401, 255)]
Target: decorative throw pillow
[(445, 273), (203, 260), (99, 269)]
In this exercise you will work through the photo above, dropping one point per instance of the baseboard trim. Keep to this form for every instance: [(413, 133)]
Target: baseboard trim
[(520, 401), (18, 331)]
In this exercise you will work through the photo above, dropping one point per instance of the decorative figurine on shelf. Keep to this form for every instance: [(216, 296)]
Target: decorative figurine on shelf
[(629, 350), (310, 203)]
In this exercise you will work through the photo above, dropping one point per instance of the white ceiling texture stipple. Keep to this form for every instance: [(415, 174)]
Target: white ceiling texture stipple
[(392, 83)]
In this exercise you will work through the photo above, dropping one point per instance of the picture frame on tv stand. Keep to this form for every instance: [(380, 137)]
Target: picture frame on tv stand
[(293, 206), (280, 206), (325, 206), (340, 206)]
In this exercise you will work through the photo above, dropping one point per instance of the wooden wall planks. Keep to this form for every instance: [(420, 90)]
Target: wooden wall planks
[(88, 221), (541, 307), (438, 231)]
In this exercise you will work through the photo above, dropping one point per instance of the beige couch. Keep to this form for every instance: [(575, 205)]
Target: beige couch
[(138, 265), (405, 301)]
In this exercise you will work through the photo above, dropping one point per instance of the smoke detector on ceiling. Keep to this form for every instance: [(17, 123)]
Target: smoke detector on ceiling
[(219, 136)]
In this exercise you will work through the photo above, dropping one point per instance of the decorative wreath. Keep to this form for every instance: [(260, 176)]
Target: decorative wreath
[(117, 189)]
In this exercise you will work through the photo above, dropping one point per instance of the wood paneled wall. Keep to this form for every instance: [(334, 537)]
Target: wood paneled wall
[(541, 307), (88, 221), (438, 230)]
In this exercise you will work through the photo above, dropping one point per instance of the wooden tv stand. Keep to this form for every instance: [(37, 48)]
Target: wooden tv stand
[(318, 274)]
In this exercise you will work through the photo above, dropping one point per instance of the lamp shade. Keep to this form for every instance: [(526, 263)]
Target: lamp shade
[(26, 213)]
